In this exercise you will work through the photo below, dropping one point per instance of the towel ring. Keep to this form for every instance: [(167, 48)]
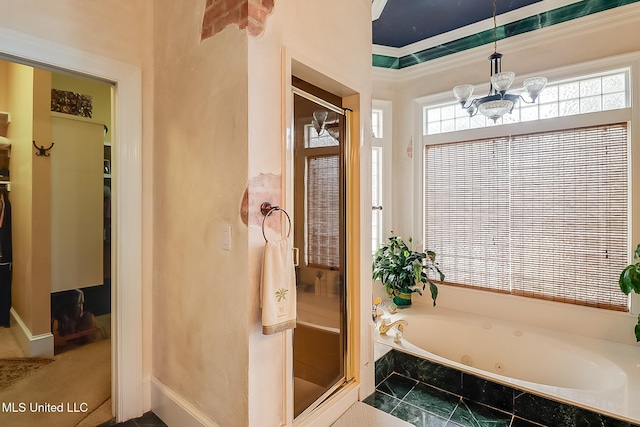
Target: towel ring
[(266, 208)]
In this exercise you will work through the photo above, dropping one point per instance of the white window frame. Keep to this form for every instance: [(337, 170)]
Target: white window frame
[(385, 143), (631, 115)]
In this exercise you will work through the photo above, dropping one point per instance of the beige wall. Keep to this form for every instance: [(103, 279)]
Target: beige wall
[(111, 28), (200, 321), (27, 98), (41, 205), (20, 103), (3, 83)]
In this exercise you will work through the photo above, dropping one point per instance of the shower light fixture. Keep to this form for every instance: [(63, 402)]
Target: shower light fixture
[(497, 102)]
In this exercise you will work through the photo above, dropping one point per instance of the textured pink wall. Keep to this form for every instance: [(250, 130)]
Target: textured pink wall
[(251, 14)]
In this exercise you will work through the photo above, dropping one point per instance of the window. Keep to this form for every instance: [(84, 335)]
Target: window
[(322, 204), (376, 123), (589, 94), (376, 198), (542, 215), (380, 168), (323, 211)]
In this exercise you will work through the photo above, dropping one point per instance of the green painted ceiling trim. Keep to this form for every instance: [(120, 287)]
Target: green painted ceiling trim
[(386, 61), (542, 20)]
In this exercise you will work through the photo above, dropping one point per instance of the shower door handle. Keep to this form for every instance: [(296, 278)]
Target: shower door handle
[(376, 208), (296, 257)]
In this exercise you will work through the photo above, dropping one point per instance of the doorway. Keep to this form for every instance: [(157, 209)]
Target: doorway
[(126, 360), (60, 219), (320, 337)]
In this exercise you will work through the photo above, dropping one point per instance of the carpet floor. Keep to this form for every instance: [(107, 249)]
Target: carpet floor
[(61, 393), (14, 369)]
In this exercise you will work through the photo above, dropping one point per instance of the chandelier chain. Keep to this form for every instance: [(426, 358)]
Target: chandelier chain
[(495, 27)]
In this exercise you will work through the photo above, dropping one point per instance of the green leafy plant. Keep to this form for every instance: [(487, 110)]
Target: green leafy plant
[(402, 270), (630, 281)]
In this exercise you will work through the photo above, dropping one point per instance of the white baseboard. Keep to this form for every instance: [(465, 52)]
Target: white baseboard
[(33, 346), (173, 410), (146, 394)]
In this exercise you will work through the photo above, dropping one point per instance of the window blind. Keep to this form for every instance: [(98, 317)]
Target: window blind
[(323, 211), (540, 215)]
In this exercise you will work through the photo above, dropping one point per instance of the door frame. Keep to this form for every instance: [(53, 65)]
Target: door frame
[(126, 348)]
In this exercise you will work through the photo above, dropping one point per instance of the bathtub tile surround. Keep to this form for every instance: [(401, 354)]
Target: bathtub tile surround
[(429, 394), (440, 376), (487, 392), (544, 411), (397, 386), (384, 365)]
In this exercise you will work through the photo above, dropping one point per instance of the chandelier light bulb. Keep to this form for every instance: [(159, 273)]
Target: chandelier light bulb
[(496, 109), (534, 86), (463, 93), (319, 120), (503, 81)]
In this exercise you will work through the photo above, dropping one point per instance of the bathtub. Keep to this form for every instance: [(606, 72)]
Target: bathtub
[(599, 375)]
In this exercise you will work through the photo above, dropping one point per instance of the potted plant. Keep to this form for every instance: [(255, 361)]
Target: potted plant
[(630, 281), (404, 271)]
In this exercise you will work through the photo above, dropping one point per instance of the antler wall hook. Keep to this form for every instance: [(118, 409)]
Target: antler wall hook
[(43, 151)]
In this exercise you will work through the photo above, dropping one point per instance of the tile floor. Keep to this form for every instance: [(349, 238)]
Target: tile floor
[(149, 419)]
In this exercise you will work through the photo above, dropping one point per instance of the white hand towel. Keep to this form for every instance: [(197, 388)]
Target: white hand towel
[(278, 293)]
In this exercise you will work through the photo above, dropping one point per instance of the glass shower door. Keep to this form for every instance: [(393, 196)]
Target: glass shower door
[(319, 340)]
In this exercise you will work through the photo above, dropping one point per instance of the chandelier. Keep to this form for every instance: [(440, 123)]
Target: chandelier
[(321, 123), (497, 102)]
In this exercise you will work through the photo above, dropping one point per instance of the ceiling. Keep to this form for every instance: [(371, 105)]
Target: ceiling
[(403, 22), (410, 32)]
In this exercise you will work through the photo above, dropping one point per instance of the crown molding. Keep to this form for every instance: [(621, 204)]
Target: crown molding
[(377, 6)]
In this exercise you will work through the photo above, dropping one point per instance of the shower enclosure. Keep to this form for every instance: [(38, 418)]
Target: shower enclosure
[(320, 338)]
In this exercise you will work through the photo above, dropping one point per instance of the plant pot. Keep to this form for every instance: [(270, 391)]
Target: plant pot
[(403, 299)]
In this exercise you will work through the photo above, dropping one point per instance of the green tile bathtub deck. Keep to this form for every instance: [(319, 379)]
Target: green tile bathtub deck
[(424, 394), (525, 25)]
